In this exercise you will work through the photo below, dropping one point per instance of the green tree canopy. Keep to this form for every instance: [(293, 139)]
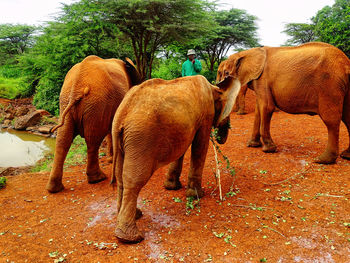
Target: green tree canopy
[(300, 33), (151, 24), (332, 25), (235, 29), (78, 32), (14, 40)]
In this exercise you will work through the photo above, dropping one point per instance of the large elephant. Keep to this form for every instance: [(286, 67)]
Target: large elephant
[(153, 126), (312, 78), (90, 95)]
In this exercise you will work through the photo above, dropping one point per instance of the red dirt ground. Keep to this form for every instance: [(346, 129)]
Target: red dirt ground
[(286, 209)]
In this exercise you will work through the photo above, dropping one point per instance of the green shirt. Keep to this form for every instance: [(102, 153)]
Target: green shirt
[(191, 69)]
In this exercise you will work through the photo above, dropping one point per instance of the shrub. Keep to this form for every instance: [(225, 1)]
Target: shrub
[(2, 182)]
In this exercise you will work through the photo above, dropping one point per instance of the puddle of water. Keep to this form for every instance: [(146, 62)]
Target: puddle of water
[(19, 148)]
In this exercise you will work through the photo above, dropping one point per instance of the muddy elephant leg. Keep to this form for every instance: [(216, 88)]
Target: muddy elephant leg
[(346, 119), (265, 121), (65, 135), (93, 170), (135, 175), (255, 138), (241, 100), (332, 150), (331, 114), (109, 147), (172, 181), (199, 151)]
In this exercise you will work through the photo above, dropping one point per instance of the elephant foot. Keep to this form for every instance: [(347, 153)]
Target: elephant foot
[(172, 185), (254, 143), (96, 177), (345, 154), (190, 192), (54, 187), (270, 148), (130, 235), (138, 213), (326, 158)]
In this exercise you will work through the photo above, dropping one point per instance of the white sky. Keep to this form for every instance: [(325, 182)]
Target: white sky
[(272, 14)]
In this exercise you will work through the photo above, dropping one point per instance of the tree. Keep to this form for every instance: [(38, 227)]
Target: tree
[(332, 25), (151, 24), (14, 40), (300, 33), (79, 31), (235, 29)]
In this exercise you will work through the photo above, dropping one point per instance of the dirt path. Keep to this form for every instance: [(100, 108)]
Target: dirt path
[(285, 208)]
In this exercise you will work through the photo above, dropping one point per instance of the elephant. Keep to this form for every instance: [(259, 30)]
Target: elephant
[(239, 106), (313, 78), (91, 93), (154, 125), (240, 101)]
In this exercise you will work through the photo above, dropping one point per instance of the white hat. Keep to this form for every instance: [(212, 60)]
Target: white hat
[(191, 52)]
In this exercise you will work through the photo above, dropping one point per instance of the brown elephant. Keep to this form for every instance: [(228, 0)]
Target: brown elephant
[(239, 106), (153, 126), (90, 95), (312, 78)]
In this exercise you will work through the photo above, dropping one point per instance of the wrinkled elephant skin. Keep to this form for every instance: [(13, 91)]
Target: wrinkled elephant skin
[(90, 95), (154, 126), (312, 78)]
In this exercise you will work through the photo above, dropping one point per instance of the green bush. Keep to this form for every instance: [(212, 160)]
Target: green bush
[(167, 69), (2, 182), (12, 84)]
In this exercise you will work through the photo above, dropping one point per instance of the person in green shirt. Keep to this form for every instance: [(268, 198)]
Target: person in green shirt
[(191, 66)]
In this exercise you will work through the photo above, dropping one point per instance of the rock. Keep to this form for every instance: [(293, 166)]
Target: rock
[(44, 112), (23, 110), (7, 123), (45, 129), (31, 128), (9, 116), (25, 121)]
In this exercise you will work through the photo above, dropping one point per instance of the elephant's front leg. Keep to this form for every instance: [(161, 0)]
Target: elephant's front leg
[(172, 181), (93, 171), (199, 151), (255, 138), (63, 142), (266, 109)]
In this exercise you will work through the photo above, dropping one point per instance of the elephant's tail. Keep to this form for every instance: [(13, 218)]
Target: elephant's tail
[(71, 103), (118, 157)]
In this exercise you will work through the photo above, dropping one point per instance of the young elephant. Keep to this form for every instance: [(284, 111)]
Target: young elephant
[(90, 95), (313, 78), (153, 126)]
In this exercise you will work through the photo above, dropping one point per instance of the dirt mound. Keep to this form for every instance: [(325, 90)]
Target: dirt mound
[(282, 208)]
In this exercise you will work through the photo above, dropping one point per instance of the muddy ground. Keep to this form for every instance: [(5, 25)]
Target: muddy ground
[(282, 207)]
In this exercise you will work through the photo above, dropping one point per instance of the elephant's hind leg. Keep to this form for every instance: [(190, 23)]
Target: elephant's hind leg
[(346, 119), (93, 170), (172, 181), (331, 116), (136, 173), (65, 135)]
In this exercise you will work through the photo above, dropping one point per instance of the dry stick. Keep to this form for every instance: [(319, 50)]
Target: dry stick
[(285, 180), (274, 230), (217, 170)]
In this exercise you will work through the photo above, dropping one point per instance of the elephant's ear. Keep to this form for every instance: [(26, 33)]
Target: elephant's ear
[(248, 65), (132, 72), (225, 97)]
